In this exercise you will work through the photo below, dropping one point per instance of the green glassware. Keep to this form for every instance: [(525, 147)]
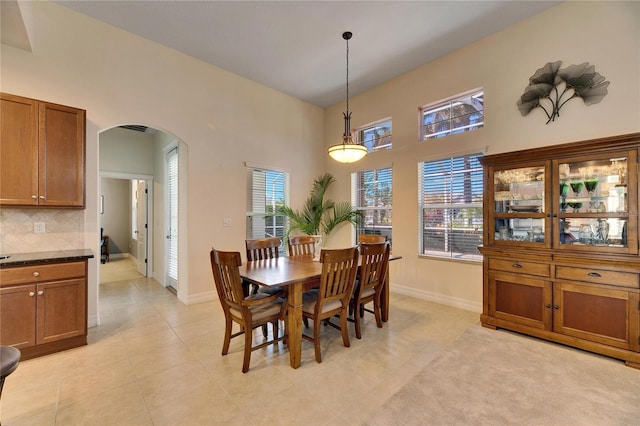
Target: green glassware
[(576, 187), (564, 189), (591, 185)]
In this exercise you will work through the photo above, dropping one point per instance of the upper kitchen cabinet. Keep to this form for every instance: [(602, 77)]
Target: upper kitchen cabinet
[(42, 154)]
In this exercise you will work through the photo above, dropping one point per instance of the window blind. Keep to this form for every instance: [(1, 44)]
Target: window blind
[(266, 191), (372, 194), (450, 199), (172, 201)]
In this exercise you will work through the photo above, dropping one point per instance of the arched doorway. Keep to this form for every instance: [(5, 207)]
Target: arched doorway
[(137, 153)]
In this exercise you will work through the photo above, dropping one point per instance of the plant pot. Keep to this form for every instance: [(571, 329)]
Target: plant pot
[(317, 247)]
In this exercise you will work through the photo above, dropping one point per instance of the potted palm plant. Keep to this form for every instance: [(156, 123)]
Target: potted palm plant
[(319, 216)]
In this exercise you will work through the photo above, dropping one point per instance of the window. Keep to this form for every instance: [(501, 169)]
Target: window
[(172, 218), (460, 114), (371, 193), (376, 136), (450, 202), (267, 189)]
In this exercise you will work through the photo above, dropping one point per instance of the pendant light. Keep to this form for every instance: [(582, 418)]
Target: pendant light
[(348, 151)]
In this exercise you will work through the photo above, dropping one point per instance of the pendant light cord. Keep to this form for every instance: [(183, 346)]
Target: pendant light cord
[(347, 76)]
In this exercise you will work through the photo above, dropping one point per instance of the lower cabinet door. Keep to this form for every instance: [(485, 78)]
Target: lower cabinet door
[(604, 315), (18, 316), (61, 310), (520, 300)]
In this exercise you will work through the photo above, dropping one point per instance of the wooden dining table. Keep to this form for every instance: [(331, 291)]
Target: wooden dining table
[(297, 274)]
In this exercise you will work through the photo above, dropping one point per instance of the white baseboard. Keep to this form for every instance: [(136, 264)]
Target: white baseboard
[(93, 321), (456, 302), (197, 298)]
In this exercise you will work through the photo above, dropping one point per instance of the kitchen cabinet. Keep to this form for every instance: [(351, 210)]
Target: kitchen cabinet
[(560, 245), (42, 153), (43, 308)]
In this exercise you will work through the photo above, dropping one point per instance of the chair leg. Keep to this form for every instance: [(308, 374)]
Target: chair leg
[(265, 331), (343, 328), (356, 320), (305, 321), (248, 341), (377, 311), (316, 340), (276, 332), (227, 335)]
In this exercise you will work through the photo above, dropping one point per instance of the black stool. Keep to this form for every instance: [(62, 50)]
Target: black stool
[(9, 359)]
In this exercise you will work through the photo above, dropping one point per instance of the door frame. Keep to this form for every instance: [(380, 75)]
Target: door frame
[(150, 217)]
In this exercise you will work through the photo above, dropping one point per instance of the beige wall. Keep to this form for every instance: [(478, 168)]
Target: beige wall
[(224, 120), (116, 219), (604, 34)]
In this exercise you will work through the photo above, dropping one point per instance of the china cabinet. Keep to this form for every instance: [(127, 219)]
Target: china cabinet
[(42, 153), (560, 244)]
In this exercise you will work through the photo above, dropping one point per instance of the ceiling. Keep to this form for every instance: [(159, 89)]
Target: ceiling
[(296, 46)]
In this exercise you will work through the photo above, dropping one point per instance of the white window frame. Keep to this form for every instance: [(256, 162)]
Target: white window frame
[(451, 228), (377, 207), (260, 202), (363, 135), (466, 98)]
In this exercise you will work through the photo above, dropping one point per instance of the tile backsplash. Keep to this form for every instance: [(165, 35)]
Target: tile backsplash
[(64, 230)]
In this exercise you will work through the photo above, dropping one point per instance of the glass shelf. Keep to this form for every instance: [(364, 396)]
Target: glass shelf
[(603, 232)]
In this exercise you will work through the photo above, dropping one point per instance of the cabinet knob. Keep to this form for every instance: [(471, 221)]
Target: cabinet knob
[(42, 197), (517, 265), (556, 307), (34, 197), (594, 274), (40, 292), (31, 294), (548, 306), (36, 274)]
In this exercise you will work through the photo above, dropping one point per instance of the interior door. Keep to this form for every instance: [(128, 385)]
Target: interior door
[(141, 198)]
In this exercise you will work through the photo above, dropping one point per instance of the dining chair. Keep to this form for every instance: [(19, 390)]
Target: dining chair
[(302, 245), (338, 276), (371, 238), (250, 311), (262, 249), (368, 287)]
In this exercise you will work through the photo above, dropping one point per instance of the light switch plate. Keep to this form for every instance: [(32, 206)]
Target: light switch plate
[(38, 227), (226, 222)]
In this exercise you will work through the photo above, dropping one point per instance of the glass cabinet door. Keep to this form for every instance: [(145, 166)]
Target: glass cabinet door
[(593, 202), (520, 209)]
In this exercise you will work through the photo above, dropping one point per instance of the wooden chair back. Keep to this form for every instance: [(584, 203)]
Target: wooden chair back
[(261, 249), (371, 238), (373, 272), (375, 260), (339, 267), (226, 274), (302, 245)]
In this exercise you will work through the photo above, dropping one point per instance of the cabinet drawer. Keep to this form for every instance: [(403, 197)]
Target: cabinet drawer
[(530, 268), (41, 273), (598, 276)]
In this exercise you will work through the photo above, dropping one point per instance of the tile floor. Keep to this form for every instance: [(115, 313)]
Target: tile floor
[(155, 361)]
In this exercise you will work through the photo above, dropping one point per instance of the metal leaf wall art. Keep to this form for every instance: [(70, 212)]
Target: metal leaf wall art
[(551, 87)]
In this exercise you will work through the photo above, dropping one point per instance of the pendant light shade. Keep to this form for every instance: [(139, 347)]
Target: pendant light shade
[(348, 151)]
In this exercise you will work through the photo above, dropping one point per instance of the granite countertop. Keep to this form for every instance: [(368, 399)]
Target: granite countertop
[(23, 259)]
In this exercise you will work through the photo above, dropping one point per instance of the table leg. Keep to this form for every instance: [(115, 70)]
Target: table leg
[(384, 298), (294, 324)]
